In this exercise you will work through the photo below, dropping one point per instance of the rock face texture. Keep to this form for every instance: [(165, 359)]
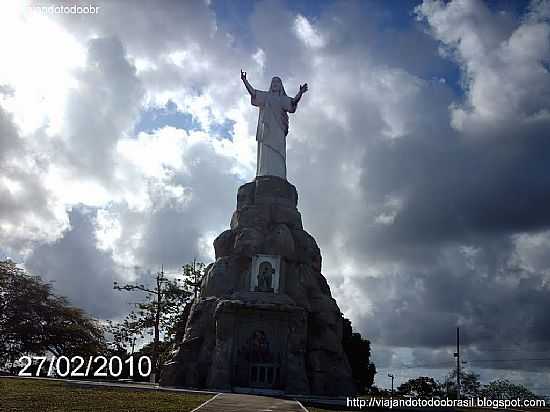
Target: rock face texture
[(270, 325)]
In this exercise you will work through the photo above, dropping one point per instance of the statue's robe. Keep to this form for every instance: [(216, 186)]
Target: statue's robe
[(271, 132)]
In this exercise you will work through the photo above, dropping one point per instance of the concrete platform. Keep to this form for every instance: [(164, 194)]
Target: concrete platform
[(233, 402)]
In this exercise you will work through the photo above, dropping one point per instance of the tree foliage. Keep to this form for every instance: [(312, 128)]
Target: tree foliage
[(33, 320), (357, 350), (426, 387), (164, 353), (470, 385), (192, 274), (504, 389), (422, 387), (159, 312)]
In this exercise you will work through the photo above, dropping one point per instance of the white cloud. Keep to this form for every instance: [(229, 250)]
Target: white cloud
[(506, 80), (307, 33)]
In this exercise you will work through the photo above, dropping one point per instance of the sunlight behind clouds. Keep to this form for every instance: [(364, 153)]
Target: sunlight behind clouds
[(39, 68), (307, 33)]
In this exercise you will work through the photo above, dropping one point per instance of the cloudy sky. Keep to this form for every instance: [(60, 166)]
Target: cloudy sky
[(420, 154)]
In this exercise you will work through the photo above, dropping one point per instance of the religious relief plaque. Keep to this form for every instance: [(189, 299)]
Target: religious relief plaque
[(264, 273)]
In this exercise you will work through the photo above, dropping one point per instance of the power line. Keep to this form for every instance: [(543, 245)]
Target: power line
[(509, 350), (450, 363), (430, 365), (510, 360)]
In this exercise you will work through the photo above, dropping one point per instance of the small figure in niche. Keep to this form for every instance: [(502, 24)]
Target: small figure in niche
[(259, 348), (265, 277)]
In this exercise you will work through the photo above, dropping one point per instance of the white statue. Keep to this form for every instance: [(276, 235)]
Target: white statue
[(272, 125)]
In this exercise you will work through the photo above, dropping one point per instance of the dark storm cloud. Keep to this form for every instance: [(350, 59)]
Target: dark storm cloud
[(9, 136), (172, 231), (272, 25), (445, 253), (493, 300), (78, 269), (103, 107), (458, 190), (23, 198), (473, 188)]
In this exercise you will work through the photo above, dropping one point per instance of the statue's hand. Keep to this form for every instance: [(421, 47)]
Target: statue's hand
[(243, 75), (303, 88)]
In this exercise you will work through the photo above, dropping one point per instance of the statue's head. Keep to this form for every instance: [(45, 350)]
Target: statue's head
[(277, 86), (266, 268)]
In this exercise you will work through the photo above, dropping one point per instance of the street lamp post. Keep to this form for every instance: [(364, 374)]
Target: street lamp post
[(391, 376)]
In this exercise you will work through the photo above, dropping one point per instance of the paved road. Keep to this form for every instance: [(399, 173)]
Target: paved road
[(233, 402)]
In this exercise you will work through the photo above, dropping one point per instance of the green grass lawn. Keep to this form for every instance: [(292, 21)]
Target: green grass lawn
[(48, 396)]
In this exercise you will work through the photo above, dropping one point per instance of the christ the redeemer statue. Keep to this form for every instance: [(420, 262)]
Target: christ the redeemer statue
[(272, 125)]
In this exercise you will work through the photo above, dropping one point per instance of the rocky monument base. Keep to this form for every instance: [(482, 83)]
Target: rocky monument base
[(265, 317)]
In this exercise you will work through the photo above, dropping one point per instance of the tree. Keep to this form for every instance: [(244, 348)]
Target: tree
[(164, 303), (164, 353), (35, 321), (192, 274), (469, 384), (122, 336), (377, 392), (357, 350), (421, 387), (504, 389)]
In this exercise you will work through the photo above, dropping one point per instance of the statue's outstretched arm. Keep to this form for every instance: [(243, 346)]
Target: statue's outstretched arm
[(303, 89), (250, 89)]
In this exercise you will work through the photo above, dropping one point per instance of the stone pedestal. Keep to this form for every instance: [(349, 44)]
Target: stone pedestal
[(265, 317)]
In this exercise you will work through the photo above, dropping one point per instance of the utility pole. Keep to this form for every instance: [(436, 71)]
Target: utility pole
[(160, 279), (391, 376), (457, 356)]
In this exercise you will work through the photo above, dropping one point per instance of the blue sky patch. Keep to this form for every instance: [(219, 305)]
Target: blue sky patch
[(169, 115), (223, 130)]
